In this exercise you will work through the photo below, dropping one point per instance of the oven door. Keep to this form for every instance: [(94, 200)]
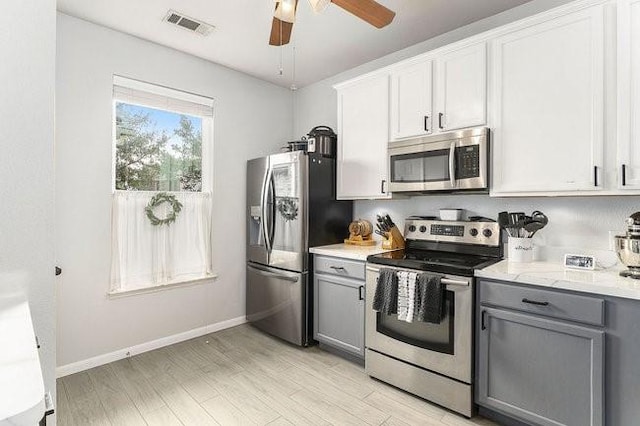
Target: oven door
[(444, 348)]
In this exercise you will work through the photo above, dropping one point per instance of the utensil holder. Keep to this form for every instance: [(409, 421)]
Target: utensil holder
[(520, 250), (393, 239)]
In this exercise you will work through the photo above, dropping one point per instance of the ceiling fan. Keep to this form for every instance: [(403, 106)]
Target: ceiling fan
[(284, 16)]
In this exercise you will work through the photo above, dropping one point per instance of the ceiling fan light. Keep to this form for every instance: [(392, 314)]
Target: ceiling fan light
[(319, 5), (286, 11)]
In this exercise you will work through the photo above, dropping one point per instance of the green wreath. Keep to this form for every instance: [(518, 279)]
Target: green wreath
[(288, 208), (156, 200)]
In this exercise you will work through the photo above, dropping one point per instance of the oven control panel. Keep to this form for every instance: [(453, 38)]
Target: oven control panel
[(482, 233)]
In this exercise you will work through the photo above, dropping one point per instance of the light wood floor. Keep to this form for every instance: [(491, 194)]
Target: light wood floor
[(239, 376)]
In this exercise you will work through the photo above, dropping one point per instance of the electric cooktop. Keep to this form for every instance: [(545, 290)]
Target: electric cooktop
[(449, 247)]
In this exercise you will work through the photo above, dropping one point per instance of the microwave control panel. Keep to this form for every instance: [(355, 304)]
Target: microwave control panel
[(467, 161)]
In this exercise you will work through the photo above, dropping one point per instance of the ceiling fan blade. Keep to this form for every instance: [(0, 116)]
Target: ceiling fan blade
[(368, 10), (280, 32), (281, 29)]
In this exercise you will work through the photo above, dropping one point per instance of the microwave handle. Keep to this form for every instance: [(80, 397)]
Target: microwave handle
[(452, 164)]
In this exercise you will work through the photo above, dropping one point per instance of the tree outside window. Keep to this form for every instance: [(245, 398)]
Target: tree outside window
[(157, 150)]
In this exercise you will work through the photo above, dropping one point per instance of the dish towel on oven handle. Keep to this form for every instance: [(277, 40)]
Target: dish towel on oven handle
[(430, 299), (406, 295), (385, 299)]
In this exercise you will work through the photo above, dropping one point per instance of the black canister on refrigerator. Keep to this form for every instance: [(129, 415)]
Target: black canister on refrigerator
[(323, 140)]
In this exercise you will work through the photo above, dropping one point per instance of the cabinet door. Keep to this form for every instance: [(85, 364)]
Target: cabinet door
[(628, 158), (339, 313), (411, 100), (363, 135), (461, 88), (541, 371), (547, 117)]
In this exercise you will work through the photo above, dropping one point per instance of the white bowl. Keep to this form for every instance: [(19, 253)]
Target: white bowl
[(451, 214)]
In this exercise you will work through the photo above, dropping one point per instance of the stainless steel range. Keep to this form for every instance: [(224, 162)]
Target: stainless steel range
[(433, 361)]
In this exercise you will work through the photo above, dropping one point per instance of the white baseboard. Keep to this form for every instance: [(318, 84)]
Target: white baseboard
[(86, 364)]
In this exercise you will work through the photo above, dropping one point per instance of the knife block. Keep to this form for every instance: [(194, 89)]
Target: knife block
[(393, 239)]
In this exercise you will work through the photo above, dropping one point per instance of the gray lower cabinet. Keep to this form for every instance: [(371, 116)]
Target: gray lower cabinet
[(536, 368), (339, 309)]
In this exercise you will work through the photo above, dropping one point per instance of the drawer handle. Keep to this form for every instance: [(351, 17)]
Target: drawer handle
[(338, 268), (535, 302)]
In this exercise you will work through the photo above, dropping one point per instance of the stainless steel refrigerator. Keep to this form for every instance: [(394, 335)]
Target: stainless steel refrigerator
[(291, 206)]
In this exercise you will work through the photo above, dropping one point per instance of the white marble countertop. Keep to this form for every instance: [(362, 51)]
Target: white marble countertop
[(21, 384), (605, 282), (348, 251)]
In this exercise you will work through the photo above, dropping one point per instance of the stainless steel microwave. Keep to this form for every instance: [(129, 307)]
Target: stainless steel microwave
[(449, 162)]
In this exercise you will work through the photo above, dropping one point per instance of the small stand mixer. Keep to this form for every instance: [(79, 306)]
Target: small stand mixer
[(628, 247)]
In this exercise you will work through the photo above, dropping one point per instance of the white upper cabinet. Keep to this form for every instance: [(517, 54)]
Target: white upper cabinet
[(363, 135), (547, 105), (461, 88), (628, 153), (411, 100)]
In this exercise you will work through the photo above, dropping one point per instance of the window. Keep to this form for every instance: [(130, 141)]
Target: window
[(157, 150), (162, 144)]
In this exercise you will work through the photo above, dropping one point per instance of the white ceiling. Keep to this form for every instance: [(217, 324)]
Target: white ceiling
[(325, 44)]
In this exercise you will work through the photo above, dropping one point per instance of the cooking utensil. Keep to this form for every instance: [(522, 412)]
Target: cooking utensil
[(540, 217), (532, 226), (503, 221)]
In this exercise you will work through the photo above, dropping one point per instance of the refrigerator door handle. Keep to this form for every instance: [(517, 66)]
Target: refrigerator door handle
[(268, 273), (272, 222), (265, 209)]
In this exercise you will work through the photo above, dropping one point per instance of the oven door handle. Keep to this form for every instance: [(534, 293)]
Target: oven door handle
[(446, 281), (449, 281)]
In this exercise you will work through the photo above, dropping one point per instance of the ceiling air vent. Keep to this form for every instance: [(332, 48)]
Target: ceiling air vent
[(187, 23)]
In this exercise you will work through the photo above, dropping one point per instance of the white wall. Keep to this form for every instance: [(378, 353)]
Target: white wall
[(27, 82), (579, 224), (252, 118), (576, 224)]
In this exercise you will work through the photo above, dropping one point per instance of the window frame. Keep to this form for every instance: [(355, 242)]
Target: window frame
[(169, 93)]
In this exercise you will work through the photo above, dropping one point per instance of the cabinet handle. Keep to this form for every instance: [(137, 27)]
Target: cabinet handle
[(382, 182), (595, 175), (483, 324), (440, 120), (58, 270), (624, 175), (360, 295), (338, 268), (535, 302), (426, 120)]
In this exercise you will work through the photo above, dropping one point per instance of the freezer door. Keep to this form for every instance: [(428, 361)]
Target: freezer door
[(257, 250), (276, 302), (287, 181)]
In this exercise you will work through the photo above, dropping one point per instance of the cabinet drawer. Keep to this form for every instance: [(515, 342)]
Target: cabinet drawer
[(337, 266), (588, 310)]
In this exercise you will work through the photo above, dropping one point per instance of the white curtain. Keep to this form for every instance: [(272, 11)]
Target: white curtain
[(144, 255)]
